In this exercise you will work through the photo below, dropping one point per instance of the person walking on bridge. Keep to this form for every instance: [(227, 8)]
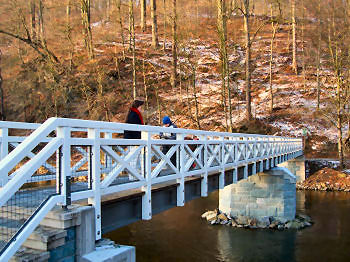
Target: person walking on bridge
[(168, 123), (134, 116)]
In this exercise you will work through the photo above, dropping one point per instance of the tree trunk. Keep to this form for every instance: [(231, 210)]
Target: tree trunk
[(221, 27), (33, 19), (154, 23), (41, 23), (143, 15), (120, 22), (69, 33), (86, 15), (174, 48), (229, 97), (146, 91), (108, 10), (132, 42), (294, 63), (271, 56), (2, 116), (247, 60), (319, 56), (158, 105), (303, 45), (195, 97), (164, 25)]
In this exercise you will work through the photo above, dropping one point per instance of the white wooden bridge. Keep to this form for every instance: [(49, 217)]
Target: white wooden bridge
[(66, 160)]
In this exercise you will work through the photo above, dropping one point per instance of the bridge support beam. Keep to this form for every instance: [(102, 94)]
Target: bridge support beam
[(296, 166), (271, 193)]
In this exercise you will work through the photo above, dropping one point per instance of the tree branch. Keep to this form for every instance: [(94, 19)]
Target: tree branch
[(36, 46)]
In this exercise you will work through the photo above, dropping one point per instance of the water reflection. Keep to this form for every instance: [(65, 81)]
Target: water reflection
[(237, 244), (180, 234)]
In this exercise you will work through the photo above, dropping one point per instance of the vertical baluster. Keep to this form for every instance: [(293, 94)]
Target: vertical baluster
[(204, 181), (222, 161)]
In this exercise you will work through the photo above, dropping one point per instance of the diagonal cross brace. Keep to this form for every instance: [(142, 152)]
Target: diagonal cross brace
[(194, 157), (165, 159), (122, 165)]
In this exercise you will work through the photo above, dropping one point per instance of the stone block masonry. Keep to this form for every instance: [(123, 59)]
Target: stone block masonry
[(297, 167), (268, 194), (71, 238)]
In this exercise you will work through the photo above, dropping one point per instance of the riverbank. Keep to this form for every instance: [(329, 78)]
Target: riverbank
[(326, 179)]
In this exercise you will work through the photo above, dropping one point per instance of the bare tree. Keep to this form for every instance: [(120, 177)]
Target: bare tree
[(69, 32), (294, 63), (164, 24), (33, 19), (318, 61), (222, 33), (248, 44), (273, 36), (120, 21), (337, 54), (143, 15), (174, 47), (26, 38), (86, 21), (154, 23), (132, 44), (2, 116)]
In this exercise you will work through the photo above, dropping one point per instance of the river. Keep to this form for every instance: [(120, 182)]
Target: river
[(179, 234)]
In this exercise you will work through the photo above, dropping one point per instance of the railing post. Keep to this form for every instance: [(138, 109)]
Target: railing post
[(180, 190), (147, 188), (204, 181), (108, 135), (95, 173), (222, 158), (3, 153), (63, 176), (268, 152)]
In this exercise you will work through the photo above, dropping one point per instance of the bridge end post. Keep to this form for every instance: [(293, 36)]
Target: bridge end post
[(95, 176), (3, 153)]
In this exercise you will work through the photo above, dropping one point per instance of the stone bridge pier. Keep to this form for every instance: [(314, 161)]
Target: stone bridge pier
[(296, 166), (268, 194)]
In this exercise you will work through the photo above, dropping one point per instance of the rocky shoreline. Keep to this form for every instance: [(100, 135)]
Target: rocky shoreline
[(326, 179), (322, 187), (217, 217)]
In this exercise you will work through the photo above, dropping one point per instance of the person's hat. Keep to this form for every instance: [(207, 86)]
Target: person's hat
[(166, 120)]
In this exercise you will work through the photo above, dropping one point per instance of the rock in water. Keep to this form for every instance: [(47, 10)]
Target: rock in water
[(222, 217), (294, 224), (209, 216), (264, 222), (242, 220)]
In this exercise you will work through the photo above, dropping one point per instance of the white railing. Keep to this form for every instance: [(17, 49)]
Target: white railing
[(100, 162)]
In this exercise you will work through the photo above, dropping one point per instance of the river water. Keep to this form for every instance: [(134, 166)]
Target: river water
[(179, 234)]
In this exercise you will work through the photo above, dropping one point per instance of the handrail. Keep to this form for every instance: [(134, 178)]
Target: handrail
[(126, 164)]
